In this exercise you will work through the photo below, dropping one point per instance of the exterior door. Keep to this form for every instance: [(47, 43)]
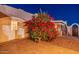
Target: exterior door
[(75, 30)]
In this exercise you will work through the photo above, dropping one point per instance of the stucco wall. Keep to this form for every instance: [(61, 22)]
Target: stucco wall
[(6, 31), (3, 21)]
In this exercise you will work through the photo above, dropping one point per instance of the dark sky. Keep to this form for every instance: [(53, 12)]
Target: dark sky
[(66, 12)]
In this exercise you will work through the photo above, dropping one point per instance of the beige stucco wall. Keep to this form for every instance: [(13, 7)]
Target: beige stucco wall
[(59, 29), (19, 33), (69, 31), (3, 21)]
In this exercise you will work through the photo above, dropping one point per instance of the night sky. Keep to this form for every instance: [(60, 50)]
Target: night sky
[(66, 12)]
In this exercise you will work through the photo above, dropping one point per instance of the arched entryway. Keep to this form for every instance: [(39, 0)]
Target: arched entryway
[(75, 30)]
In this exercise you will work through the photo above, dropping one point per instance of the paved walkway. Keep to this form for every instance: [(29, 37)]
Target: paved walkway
[(63, 45)]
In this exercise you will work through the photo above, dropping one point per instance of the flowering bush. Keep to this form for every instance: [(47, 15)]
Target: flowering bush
[(41, 27)]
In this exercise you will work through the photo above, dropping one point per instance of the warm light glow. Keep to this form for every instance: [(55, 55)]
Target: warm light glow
[(13, 25)]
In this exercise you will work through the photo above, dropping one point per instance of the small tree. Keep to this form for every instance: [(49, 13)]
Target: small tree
[(41, 27)]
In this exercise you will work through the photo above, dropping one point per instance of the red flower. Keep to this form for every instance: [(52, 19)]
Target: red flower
[(34, 28), (39, 24)]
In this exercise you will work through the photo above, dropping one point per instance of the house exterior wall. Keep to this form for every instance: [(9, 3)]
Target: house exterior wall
[(69, 31), (69, 28), (3, 21), (58, 29), (12, 28), (59, 24)]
